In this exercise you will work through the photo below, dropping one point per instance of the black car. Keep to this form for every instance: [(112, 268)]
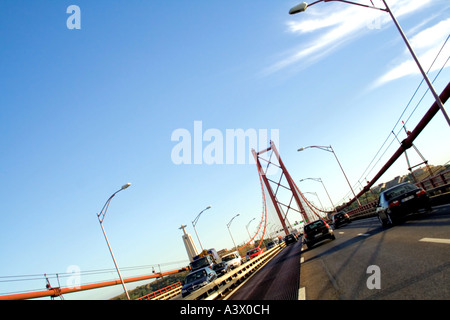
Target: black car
[(197, 279), (317, 231), (270, 245), (290, 238), (221, 268), (340, 219), (399, 201)]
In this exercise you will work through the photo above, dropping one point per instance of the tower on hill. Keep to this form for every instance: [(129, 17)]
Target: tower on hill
[(189, 244)]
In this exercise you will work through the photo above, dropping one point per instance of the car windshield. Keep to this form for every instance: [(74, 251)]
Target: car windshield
[(253, 251), (314, 225), (228, 258), (202, 262), (218, 266), (399, 190), (195, 276)]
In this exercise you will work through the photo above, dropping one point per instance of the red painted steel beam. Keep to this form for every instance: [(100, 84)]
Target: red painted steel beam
[(54, 292), (407, 143), (290, 181), (269, 189)]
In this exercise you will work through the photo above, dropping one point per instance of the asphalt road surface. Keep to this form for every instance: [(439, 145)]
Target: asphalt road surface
[(408, 261), (277, 280)]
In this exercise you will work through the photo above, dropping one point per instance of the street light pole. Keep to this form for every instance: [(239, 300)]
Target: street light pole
[(194, 222), (101, 217), (330, 149), (320, 180), (246, 227), (424, 74), (315, 193), (228, 226), (303, 6)]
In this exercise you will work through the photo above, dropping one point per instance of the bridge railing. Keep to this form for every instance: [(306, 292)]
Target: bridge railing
[(231, 280), (437, 187), (365, 211), (165, 293)]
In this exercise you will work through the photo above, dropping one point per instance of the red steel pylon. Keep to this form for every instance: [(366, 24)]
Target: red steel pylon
[(279, 180)]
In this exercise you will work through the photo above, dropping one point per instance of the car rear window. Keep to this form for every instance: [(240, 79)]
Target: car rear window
[(395, 192), (195, 276), (314, 225), (229, 257)]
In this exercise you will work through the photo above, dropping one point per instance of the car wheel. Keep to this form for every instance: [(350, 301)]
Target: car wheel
[(381, 221), (389, 219), (385, 222), (333, 237)]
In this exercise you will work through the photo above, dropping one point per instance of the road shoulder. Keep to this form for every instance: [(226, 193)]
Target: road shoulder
[(317, 282)]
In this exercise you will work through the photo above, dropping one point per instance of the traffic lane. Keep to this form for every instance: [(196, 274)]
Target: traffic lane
[(277, 280), (408, 268)]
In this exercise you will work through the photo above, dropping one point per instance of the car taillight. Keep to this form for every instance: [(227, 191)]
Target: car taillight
[(394, 204), (420, 192)]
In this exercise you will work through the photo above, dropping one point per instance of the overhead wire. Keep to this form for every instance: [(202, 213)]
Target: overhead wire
[(96, 272), (366, 172)]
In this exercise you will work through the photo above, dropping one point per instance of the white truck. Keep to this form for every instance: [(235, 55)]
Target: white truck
[(232, 259)]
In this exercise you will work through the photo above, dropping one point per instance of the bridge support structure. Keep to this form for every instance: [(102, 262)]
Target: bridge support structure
[(276, 180)]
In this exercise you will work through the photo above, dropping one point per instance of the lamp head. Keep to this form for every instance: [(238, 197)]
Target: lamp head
[(298, 8), (126, 186)]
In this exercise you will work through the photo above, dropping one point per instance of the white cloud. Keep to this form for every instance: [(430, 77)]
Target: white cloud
[(333, 25), (426, 44), (432, 36), (340, 27)]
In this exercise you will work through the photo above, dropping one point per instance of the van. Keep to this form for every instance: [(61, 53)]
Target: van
[(233, 259), (197, 279)]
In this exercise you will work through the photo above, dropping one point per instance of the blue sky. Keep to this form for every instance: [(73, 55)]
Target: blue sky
[(85, 111)]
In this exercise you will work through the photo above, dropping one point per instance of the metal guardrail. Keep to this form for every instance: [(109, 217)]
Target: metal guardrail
[(437, 187), (364, 211), (229, 282), (439, 180), (163, 294)]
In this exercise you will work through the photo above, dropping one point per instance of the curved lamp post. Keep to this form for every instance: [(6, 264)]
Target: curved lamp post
[(194, 222), (228, 226), (101, 217), (303, 6), (320, 180), (246, 227), (330, 149), (315, 193)]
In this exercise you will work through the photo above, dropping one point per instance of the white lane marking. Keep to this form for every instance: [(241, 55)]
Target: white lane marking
[(341, 232), (302, 293), (435, 240), (363, 234)]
